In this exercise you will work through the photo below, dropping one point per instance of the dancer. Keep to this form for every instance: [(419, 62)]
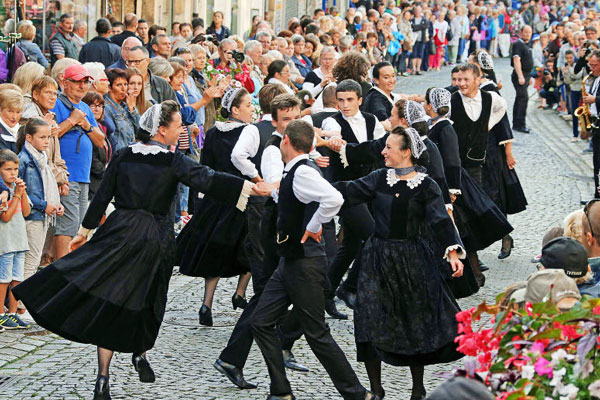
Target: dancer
[(112, 292), (380, 99), (413, 327), (305, 202), (211, 245)]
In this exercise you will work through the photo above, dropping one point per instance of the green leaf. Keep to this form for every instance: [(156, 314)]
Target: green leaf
[(573, 314), (547, 334), (547, 308), (498, 367)]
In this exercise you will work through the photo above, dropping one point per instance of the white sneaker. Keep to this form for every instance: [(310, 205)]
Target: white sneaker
[(574, 140)]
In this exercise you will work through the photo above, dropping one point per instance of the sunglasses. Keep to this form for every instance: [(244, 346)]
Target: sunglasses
[(586, 211)]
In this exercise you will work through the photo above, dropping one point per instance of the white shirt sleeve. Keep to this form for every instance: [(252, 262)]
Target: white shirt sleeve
[(246, 148), (498, 109), (271, 164), (330, 125), (314, 90), (379, 130), (309, 186)]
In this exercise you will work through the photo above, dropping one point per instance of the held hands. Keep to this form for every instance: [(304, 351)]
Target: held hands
[(77, 242), (456, 264), (314, 236), (263, 189), (336, 143), (322, 161)]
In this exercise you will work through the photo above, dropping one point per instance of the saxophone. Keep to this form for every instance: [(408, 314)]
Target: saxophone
[(584, 114)]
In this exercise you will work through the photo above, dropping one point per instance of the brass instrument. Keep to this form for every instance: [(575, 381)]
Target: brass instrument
[(583, 113)]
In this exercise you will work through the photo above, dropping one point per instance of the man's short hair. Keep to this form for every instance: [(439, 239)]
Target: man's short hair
[(318, 10), (155, 39), (591, 29), (117, 23), (64, 17), (349, 85), (142, 21), (78, 24), (197, 22), (130, 20), (329, 99), (301, 135), (470, 67), (283, 102), (266, 95), (251, 45), (261, 34), (103, 26), (143, 49), (312, 28)]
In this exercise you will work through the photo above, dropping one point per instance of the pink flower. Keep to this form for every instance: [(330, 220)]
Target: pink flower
[(538, 347), (543, 367), (596, 310)]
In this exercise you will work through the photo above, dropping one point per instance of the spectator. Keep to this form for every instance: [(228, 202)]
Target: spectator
[(318, 79), (25, 76), (590, 221), (79, 33), (453, 44), (575, 84), (128, 44), (522, 62), (419, 27), (31, 50), (78, 133), (100, 49), (161, 46), (216, 27), (265, 39), (253, 49), (135, 92), (460, 388), (311, 48), (185, 35), (302, 63), (552, 284), (11, 107), (201, 82), (142, 31), (62, 44), (279, 73), (224, 62), (161, 68), (117, 112), (99, 78), (550, 92), (117, 28), (156, 89), (130, 25), (152, 32)]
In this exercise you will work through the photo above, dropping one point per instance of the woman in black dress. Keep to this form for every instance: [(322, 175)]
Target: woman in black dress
[(405, 312), (112, 291), (499, 178), (211, 245), (380, 99)]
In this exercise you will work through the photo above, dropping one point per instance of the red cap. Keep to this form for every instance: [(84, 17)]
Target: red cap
[(77, 73)]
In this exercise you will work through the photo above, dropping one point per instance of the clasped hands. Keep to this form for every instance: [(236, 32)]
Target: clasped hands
[(334, 143)]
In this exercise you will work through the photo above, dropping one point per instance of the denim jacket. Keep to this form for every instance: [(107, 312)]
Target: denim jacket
[(303, 68), (125, 122), (30, 172), (592, 288)]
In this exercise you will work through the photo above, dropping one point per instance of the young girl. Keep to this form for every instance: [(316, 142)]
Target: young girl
[(35, 171), (14, 238)]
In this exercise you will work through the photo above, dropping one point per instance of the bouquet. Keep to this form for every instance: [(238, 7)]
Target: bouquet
[(235, 76)]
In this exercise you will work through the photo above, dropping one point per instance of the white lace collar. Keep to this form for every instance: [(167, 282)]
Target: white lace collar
[(145, 149), (228, 126), (412, 183)]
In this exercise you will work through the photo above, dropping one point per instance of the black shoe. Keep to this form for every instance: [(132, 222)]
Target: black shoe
[(421, 396), (284, 397), (102, 388), (290, 362), (143, 368), (205, 316), (522, 129), (483, 267), (238, 301), (372, 396), (331, 309), (506, 250), (418, 73), (347, 297), (480, 280), (235, 374)]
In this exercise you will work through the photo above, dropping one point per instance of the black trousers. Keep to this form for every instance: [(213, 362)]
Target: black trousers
[(358, 224), (521, 99), (301, 282), (596, 160)]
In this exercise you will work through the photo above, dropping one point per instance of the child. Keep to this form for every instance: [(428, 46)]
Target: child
[(42, 188), (14, 238)]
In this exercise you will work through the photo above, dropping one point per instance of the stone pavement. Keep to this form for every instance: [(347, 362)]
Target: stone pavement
[(36, 364)]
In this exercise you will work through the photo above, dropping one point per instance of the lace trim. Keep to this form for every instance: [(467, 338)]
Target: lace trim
[(244, 196), (455, 192), (449, 207), (140, 148), (506, 141), (228, 126), (462, 254), (342, 153), (412, 183)]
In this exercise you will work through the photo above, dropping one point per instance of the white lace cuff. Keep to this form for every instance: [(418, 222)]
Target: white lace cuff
[(449, 207), (244, 196), (506, 141), (345, 162), (462, 254), (455, 192), (84, 232)]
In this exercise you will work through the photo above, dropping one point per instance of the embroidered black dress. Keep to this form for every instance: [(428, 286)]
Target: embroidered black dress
[(500, 182), (405, 312), (112, 291), (212, 243)]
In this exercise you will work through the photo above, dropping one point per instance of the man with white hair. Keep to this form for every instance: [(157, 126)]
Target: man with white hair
[(253, 49), (99, 78), (264, 37), (79, 33), (128, 44)]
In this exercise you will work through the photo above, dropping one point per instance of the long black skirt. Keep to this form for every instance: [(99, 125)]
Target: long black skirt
[(211, 245), (112, 291), (405, 312)]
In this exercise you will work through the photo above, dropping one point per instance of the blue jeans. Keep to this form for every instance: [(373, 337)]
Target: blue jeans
[(575, 99), (183, 193), (12, 267), (461, 49)]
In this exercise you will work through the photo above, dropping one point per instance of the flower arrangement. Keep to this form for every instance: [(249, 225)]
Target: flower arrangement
[(236, 75), (533, 353)]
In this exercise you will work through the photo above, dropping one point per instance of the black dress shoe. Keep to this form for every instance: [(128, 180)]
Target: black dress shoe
[(347, 297), (235, 374), (143, 368), (331, 309), (372, 396), (290, 362), (284, 397), (238, 301), (522, 129), (421, 396), (102, 388), (205, 316), (507, 246), (483, 267)]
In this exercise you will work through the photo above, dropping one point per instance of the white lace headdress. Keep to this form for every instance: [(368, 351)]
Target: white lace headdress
[(439, 97), (150, 120), (414, 112), (417, 147), (485, 60), (228, 97)]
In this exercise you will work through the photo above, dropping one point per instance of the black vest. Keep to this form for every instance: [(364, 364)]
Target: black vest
[(274, 140), (265, 130), (339, 173), (319, 117), (292, 218), (472, 135)]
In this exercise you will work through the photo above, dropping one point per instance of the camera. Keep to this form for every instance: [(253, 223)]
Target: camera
[(363, 45), (201, 38), (238, 56)]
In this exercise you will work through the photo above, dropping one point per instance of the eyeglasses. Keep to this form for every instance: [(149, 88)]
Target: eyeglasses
[(182, 50), (86, 81), (586, 211), (97, 106), (134, 62)]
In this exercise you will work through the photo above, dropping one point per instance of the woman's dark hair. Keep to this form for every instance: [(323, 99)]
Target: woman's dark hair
[(351, 65), (30, 128), (8, 156), (378, 67), (406, 143), (292, 26), (115, 73), (169, 107), (94, 98), (442, 110), (212, 23), (237, 100), (275, 67)]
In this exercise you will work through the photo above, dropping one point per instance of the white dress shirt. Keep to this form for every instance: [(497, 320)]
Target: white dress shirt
[(473, 106), (271, 164), (309, 186), (591, 86), (246, 147), (276, 81), (314, 90), (358, 125)]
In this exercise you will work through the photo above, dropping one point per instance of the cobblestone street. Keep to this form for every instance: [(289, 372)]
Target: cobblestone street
[(554, 172)]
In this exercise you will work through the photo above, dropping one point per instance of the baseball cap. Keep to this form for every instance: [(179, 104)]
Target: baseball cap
[(535, 36), (460, 388), (552, 233), (566, 254), (551, 281), (77, 73)]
